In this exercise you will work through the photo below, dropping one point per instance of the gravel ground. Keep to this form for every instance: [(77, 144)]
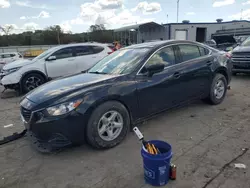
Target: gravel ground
[(207, 141)]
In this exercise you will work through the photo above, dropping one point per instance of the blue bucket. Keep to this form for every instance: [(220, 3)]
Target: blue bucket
[(157, 167)]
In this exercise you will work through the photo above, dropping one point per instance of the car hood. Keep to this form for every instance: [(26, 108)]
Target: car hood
[(17, 63), (242, 49), (61, 90), (224, 39)]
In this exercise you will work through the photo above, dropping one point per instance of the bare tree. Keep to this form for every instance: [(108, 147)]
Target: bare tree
[(7, 29)]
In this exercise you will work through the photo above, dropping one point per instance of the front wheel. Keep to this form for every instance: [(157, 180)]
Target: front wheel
[(218, 90), (108, 125), (31, 81)]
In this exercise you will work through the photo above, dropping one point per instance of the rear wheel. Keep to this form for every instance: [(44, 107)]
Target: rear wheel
[(218, 90), (31, 81), (108, 125), (234, 73)]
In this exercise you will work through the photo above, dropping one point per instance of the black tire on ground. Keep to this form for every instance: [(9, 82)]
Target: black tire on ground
[(92, 136), (212, 99), (26, 82), (234, 73)]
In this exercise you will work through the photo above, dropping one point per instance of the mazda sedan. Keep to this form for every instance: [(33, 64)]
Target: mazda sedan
[(123, 89)]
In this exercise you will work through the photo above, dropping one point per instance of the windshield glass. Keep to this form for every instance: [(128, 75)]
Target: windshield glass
[(123, 61), (246, 42), (44, 54)]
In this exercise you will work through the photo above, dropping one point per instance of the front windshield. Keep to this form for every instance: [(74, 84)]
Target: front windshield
[(123, 61), (44, 54), (246, 42)]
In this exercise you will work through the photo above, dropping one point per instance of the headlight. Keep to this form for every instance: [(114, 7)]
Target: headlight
[(9, 71), (63, 108)]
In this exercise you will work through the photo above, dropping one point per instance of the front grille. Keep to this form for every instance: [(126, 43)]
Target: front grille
[(26, 114), (243, 57)]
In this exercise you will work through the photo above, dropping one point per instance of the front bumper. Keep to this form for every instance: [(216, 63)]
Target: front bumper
[(10, 79), (49, 134)]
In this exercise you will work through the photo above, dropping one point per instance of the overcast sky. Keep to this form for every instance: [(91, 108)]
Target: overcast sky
[(78, 15)]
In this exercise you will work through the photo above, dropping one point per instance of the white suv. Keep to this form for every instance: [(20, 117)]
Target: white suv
[(9, 57), (56, 62)]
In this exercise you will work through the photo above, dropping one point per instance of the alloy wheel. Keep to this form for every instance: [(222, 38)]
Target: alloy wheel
[(32, 82), (110, 125), (219, 89)]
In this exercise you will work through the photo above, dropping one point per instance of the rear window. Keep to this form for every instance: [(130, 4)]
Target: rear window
[(189, 52), (203, 51), (83, 50), (97, 49)]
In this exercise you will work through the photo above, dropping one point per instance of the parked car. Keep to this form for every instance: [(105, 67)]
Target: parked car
[(222, 42), (55, 62), (9, 57), (241, 58), (126, 87)]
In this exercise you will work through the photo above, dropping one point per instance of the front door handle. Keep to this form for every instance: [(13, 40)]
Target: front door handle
[(176, 75)]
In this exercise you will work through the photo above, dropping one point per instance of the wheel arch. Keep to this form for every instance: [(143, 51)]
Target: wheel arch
[(223, 71), (116, 98), (34, 71)]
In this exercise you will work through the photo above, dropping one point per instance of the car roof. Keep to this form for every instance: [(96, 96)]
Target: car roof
[(158, 44), (83, 44)]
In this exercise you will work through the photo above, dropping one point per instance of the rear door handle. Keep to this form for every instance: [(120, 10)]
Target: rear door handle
[(209, 63), (176, 75)]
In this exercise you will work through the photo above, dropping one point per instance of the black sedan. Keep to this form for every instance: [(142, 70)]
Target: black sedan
[(125, 88)]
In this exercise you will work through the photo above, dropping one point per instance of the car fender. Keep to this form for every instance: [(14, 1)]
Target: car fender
[(34, 71), (90, 103), (222, 70)]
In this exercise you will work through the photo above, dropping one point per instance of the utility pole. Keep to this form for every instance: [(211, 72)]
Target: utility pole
[(178, 11), (241, 14)]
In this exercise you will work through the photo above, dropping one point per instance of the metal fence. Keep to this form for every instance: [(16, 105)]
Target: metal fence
[(26, 49)]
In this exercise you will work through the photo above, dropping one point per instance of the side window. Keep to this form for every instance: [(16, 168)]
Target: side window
[(83, 50), (165, 56), (63, 53), (12, 55), (203, 51), (97, 49), (189, 52), (6, 55)]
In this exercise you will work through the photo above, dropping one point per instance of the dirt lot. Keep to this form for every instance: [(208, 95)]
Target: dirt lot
[(207, 141)]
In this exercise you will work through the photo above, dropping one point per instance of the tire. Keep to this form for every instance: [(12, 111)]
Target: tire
[(96, 122), (213, 98), (235, 73), (31, 81)]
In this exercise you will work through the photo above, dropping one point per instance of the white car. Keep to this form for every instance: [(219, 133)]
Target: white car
[(9, 57), (59, 61)]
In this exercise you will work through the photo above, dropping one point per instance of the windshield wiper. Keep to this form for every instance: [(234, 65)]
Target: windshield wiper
[(97, 72)]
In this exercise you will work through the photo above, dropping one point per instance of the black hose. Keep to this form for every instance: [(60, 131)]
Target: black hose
[(13, 137)]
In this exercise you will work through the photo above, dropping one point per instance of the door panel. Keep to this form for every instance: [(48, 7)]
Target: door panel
[(195, 71), (85, 57), (63, 65), (156, 93)]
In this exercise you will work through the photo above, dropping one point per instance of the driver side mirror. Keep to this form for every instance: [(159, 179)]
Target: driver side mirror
[(51, 58), (155, 68)]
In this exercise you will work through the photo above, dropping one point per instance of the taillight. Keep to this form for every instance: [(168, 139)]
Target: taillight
[(110, 53), (228, 55)]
